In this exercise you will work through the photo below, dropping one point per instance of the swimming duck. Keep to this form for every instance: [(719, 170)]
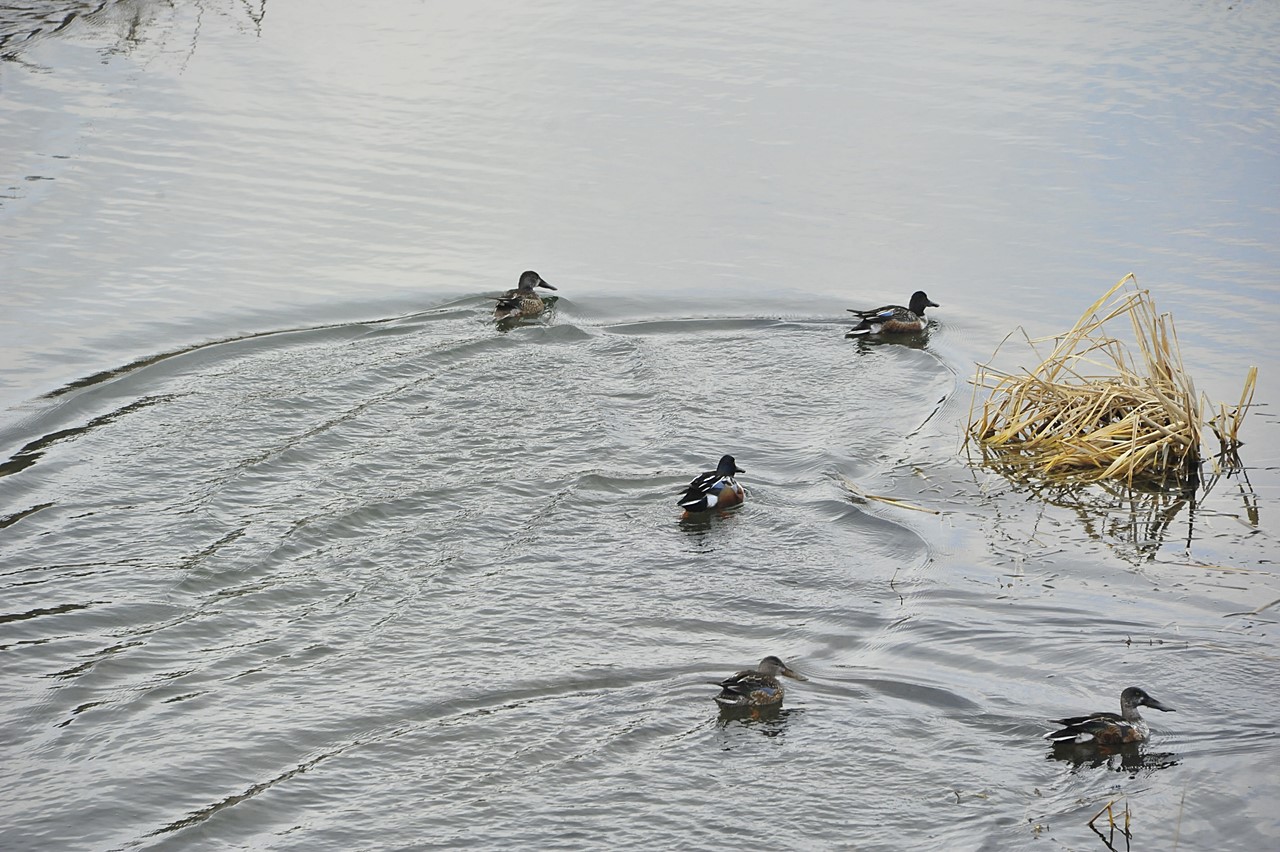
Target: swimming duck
[(1108, 728), (893, 319), (756, 687), (522, 301), (715, 489)]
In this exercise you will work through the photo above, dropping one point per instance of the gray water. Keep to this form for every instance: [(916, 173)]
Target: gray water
[(298, 550)]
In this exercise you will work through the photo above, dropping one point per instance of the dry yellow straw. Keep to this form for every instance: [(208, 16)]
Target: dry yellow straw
[(858, 492), (1091, 410)]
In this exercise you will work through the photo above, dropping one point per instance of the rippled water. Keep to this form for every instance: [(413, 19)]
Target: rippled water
[(298, 550)]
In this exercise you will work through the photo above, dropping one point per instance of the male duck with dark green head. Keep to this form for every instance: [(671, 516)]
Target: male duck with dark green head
[(893, 319), (715, 489)]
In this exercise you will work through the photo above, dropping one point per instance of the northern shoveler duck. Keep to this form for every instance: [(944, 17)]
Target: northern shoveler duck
[(1109, 728), (893, 319), (715, 489), (756, 687), (522, 301)]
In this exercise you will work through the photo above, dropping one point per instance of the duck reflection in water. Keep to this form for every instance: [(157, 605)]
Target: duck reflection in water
[(770, 723), (1130, 758), (867, 345)]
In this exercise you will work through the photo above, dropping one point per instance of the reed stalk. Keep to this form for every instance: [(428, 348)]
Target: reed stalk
[(1097, 409)]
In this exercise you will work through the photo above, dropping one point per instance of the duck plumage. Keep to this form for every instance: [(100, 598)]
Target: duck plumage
[(523, 301), (893, 319), (1127, 726), (758, 687), (715, 489)]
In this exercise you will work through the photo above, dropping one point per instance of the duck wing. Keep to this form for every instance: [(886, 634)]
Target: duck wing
[(698, 489), (882, 313), (509, 299), (1083, 728), (739, 680), (748, 688)]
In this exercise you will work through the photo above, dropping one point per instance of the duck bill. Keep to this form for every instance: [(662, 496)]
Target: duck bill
[(545, 284), (933, 304), (793, 674), (737, 469), (1156, 705)]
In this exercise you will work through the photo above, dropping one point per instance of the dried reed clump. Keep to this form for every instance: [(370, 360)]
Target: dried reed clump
[(1091, 411)]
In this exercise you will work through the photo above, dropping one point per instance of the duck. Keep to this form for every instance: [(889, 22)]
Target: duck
[(715, 489), (522, 301), (893, 319), (1109, 728), (755, 688)]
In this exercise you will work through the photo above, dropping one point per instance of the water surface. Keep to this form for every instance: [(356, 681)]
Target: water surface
[(300, 551)]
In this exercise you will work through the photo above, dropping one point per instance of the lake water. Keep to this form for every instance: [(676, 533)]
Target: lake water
[(298, 550)]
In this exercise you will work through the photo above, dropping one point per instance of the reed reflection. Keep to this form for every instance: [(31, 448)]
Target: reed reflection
[(126, 25), (1134, 519)]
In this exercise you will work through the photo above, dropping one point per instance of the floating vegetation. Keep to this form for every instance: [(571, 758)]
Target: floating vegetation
[(857, 494), (1092, 411)]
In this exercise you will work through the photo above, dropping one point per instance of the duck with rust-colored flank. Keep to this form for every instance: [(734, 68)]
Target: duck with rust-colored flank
[(755, 688), (715, 489), (1110, 728), (523, 301), (893, 319)]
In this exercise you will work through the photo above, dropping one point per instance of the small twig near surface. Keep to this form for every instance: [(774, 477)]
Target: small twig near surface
[(892, 501), (1254, 611)]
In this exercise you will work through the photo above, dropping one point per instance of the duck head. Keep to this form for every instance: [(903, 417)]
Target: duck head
[(919, 301), (728, 467), (773, 666), (1135, 696), (531, 279)]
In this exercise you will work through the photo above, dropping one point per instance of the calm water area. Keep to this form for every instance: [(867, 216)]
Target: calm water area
[(299, 551)]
